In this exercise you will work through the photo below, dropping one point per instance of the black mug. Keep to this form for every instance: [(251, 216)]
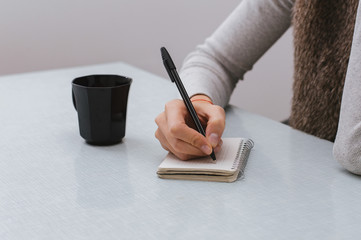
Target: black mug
[(101, 102)]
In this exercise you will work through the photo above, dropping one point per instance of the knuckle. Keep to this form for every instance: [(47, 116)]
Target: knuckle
[(172, 104), (156, 120), (177, 146), (164, 147), (169, 105), (195, 140), (183, 157), (174, 129), (220, 119), (220, 110), (160, 119), (220, 122), (157, 134)]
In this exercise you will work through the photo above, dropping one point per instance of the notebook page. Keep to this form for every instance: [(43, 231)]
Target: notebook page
[(225, 158)]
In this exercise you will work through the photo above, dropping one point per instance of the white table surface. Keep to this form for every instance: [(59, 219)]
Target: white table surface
[(55, 186)]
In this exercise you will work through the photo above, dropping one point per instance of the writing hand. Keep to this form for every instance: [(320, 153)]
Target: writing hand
[(177, 134)]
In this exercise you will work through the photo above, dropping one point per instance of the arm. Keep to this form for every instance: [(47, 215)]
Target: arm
[(347, 147), (213, 70), (215, 67)]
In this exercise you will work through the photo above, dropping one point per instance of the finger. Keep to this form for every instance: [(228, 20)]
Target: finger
[(170, 139), (217, 149), (162, 140), (213, 116), (215, 124), (179, 130), (185, 137), (194, 143), (181, 155)]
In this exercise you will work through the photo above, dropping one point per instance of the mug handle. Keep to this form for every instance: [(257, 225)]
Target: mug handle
[(74, 102)]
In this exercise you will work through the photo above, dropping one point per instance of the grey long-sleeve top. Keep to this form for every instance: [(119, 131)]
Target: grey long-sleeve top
[(253, 27)]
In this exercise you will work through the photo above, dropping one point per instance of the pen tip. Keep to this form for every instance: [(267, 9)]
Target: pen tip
[(213, 156)]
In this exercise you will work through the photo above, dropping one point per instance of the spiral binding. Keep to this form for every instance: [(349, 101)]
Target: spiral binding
[(241, 158)]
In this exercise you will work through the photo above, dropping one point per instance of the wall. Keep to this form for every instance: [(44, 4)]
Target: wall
[(46, 34)]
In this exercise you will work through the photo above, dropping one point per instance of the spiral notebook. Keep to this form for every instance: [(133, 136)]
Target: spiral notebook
[(230, 164)]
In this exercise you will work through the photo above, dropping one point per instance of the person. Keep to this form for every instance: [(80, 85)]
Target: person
[(327, 75)]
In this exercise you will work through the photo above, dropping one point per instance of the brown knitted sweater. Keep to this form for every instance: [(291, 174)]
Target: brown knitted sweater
[(323, 31)]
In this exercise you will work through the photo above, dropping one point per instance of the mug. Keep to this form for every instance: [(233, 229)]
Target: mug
[(101, 102)]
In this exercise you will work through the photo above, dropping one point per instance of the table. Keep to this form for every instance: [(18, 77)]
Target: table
[(55, 186)]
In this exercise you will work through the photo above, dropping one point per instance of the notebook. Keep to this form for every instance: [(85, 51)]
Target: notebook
[(230, 164)]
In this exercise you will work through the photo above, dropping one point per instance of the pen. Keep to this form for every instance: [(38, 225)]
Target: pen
[(174, 77)]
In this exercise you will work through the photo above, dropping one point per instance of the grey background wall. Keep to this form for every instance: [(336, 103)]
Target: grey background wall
[(47, 34)]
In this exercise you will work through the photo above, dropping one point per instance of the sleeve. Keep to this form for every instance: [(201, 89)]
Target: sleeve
[(253, 27), (347, 146)]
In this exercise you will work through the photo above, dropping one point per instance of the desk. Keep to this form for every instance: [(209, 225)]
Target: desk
[(55, 186)]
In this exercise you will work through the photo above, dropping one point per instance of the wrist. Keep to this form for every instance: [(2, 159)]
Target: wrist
[(201, 98)]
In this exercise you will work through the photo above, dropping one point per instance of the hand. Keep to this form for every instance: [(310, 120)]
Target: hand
[(176, 131)]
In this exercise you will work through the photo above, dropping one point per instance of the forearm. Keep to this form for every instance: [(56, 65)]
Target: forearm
[(215, 67)]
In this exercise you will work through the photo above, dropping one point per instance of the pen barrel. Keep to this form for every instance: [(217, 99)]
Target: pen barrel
[(187, 101), (172, 72)]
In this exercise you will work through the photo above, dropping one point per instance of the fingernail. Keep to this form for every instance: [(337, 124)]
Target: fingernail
[(206, 149), (213, 139)]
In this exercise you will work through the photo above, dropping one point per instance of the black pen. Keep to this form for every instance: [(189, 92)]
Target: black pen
[(174, 77)]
